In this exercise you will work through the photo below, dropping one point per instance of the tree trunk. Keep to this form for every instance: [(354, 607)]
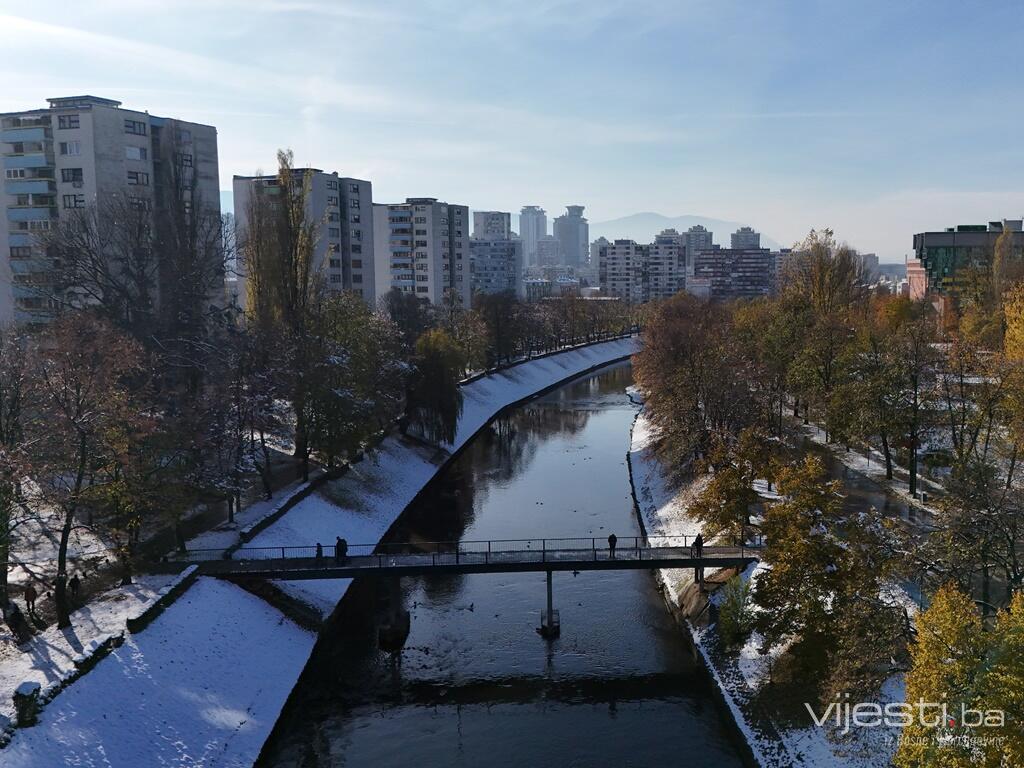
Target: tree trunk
[(60, 593), (888, 456)]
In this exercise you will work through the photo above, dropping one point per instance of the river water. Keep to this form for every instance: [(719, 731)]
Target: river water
[(475, 684)]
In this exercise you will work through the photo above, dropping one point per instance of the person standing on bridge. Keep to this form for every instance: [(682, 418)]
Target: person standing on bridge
[(698, 546), (612, 541), (340, 551), (319, 552)]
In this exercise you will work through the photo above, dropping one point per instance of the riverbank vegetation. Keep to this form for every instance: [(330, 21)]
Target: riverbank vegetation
[(729, 389)]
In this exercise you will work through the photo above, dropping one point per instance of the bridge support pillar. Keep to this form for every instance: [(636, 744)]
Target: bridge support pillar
[(394, 627), (550, 625)]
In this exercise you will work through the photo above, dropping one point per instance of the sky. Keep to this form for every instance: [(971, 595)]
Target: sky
[(876, 119)]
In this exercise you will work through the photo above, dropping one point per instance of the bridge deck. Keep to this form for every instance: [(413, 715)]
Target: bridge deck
[(420, 558)]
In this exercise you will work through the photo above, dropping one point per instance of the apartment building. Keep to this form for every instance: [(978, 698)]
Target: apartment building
[(744, 238), (342, 208), (497, 265), (733, 273), (492, 225), (421, 247), (696, 239), (533, 225), (86, 152), (640, 273)]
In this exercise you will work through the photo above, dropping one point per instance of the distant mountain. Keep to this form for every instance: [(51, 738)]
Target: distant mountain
[(642, 227)]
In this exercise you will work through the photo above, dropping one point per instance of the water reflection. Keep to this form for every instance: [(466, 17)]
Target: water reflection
[(474, 683)]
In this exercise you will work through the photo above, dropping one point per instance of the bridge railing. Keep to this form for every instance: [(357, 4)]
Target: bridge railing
[(642, 547)]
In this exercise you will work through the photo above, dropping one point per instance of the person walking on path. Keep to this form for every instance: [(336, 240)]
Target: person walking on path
[(30, 599), (612, 541), (75, 584)]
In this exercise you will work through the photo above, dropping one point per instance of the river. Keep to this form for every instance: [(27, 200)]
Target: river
[(475, 685)]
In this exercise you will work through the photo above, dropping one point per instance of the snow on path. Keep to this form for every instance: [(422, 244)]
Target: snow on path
[(49, 656), (362, 504), (201, 686)]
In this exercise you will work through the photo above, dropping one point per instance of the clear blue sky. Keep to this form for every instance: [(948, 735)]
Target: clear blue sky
[(878, 119)]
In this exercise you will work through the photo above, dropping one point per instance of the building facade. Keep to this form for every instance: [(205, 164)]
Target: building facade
[(695, 240), (80, 153), (343, 210), (744, 238), (548, 251), (421, 247), (492, 225), (533, 225), (496, 257), (638, 273), (733, 273), (572, 231), (944, 255)]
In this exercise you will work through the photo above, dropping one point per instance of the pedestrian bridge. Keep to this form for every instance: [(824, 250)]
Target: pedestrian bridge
[(417, 558)]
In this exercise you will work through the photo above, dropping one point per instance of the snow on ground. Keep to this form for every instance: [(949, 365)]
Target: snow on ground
[(664, 512), (362, 504), (49, 656), (201, 686)]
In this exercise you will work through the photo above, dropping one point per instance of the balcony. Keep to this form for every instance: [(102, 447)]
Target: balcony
[(12, 135), (31, 213), (34, 160), (30, 186)]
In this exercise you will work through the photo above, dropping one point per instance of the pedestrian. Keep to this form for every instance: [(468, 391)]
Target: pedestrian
[(30, 599), (319, 552), (16, 621), (340, 550), (698, 546), (75, 585), (612, 540)]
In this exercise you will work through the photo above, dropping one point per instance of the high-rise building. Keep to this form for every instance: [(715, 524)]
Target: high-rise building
[(573, 234), (343, 210), (548, 250), (696, 239), (943, 255), (533, 225), (83, 152), (421, 247), (640, 273), (492, 225), (745, 237), (497, 265), (595, 250), (728, 273)]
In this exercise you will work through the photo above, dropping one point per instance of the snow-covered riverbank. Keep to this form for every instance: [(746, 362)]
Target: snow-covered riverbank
[(204, 683), (664, 511)]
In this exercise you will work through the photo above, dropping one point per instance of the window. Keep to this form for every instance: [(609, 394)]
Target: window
[(355, 218), (39, 225), (331, 184), (184, 159), (332, 200), (357, 248), (357, 234), (15, 173), (422, 232), (333, 216), (357, 263), (335, 278), (421, 219), (421, 243), (71, 148), (136, 127), (353, 203), (142, 204), (335, 263), (354, 189), (357, 278), (74, 201), (21, 251), (138, 178), (334, 247), (184, 134), (333, 232), (136, 153), (422, 289), (70, 175), (67, 121)]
